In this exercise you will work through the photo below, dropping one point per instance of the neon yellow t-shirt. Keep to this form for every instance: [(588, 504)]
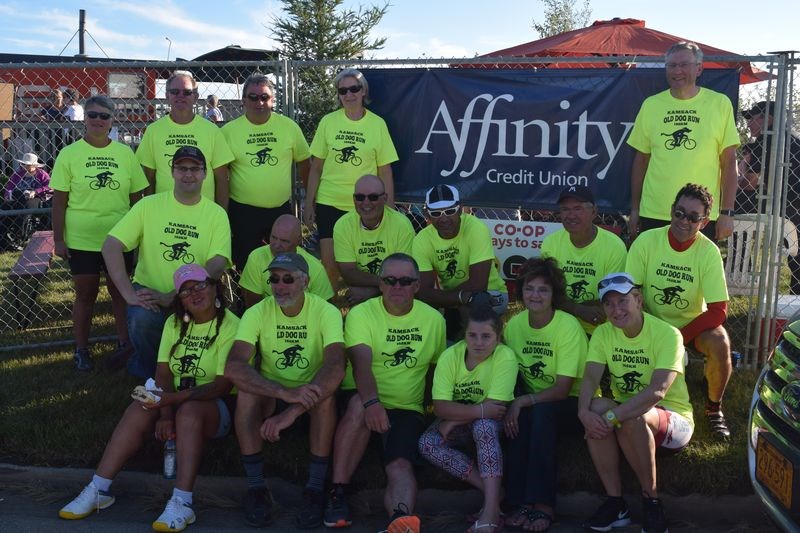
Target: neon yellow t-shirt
[(492, 379), (684, 139), (255, 274), (353, 243), (403, 347), (261, 173), (170, 234), (350, 149), (451, 258), (558, 349), (194, 357), (164, 136), (291, 347), (99, 182), (631, 362), (677, 285), (585, 267)]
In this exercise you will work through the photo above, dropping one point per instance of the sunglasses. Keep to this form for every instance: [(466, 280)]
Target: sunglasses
[(98, 114), (405, 281), (680, 214), (176, 92), (287, 279), (436, 213), (253, 97), (197, 287), (616, 279), (373, 197), (353, 89)]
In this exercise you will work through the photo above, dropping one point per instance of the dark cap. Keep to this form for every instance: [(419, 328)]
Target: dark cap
[(289, 261), (441, 196), (579, 192), (760, 108), (189, 152)]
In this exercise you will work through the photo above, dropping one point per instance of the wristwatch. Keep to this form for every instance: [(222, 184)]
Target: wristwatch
[(726, 212), (612, 419)]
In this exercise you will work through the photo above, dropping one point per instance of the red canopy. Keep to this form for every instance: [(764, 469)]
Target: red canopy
[(616, 37)]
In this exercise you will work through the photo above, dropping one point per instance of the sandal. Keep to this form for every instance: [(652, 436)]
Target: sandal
[(536, 514), (718, 424), (488, 527), (517, 519)]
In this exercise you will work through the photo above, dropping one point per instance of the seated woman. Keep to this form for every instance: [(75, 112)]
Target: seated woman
[(195, 404), (29, 185), (550, 346), (473, 382)]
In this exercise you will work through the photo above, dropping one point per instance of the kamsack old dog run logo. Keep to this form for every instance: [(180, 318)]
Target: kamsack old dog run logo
[(533, 140)]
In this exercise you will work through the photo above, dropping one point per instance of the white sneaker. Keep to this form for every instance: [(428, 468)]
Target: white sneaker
[(176, 516), (88, 501)]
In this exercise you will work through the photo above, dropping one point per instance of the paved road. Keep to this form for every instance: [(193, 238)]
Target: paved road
[(31, 497)]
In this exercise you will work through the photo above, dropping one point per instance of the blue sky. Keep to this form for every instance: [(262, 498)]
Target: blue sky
[(435, 28)]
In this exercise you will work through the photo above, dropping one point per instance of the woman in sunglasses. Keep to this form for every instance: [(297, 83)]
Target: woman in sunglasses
[(194, 405), (349, 143), (473, 383), (96, 181), (550, 346)]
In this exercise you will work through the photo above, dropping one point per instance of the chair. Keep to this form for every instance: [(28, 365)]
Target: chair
[(741, 265)]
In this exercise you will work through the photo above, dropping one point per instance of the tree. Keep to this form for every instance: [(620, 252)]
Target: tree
[(323, 30), (561, 16)]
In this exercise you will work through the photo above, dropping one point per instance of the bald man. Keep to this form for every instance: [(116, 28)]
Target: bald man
[(284, 237), (364, 237)]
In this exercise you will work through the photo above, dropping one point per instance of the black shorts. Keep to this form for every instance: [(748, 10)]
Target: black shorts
[(646, 223), (82, 262), (327, 215), (250, 228)]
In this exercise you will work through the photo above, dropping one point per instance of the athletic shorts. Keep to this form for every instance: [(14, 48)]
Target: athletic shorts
[(226, 407), (83, 262), (674, 430), (327, 216)]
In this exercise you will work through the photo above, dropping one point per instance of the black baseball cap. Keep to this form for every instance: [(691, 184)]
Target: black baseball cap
[(761, 108), (579, 192), (189, 152)]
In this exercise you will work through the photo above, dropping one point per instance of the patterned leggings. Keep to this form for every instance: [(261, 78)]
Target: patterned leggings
[(442, 453)]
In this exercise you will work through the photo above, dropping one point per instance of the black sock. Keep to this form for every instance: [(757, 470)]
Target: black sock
[(317, 472), (254, 469), (713, 407)]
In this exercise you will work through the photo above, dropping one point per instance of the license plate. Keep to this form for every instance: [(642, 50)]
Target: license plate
[(774, 471)]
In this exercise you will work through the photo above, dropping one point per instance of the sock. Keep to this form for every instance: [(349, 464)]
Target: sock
[(254, 469), (317, 472), (183, 495), (341, 488), (102, 484), (712, 407)]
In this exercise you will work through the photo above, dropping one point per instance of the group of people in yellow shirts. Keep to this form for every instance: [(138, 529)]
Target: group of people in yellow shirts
[(590, 307)]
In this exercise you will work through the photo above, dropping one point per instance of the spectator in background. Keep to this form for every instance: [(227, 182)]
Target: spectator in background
[(54, 109), (181, 127), (348, 144), (213, 112), (96, 181), (73, 110), (686, 133), (29, 184)]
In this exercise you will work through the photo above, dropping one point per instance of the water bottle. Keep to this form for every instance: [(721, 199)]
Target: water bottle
[(170, 459)]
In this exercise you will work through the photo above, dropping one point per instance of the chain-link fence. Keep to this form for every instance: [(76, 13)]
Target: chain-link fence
[(35, 118)]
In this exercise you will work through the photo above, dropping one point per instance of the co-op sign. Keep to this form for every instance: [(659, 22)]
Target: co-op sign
[(515, 138)]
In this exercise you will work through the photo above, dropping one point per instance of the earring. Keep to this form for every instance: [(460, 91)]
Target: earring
[(217, 303), (186, 318)]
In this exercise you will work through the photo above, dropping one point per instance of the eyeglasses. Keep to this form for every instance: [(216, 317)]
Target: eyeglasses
[(373, 197), (616, 279), (673, 66), (287, 279), (680, 214), (98, 114), (405, 281), (436, 213), (253, 97), (197, 287), (353, 89), (185, 92), (188, 170)]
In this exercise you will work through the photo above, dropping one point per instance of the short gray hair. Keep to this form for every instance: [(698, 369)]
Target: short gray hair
[(102, 101), (399, 257), (257, 78), (353, 73), (686, 45), (182, 74)]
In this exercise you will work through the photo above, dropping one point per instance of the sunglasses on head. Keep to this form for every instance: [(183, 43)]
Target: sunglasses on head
[(98, 114), (373, 197), (616, 279), (197, 287), (436, 213), (253, 97), (353, 89), (694, 218), (405, 281), (287, 279), (185, 92)]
